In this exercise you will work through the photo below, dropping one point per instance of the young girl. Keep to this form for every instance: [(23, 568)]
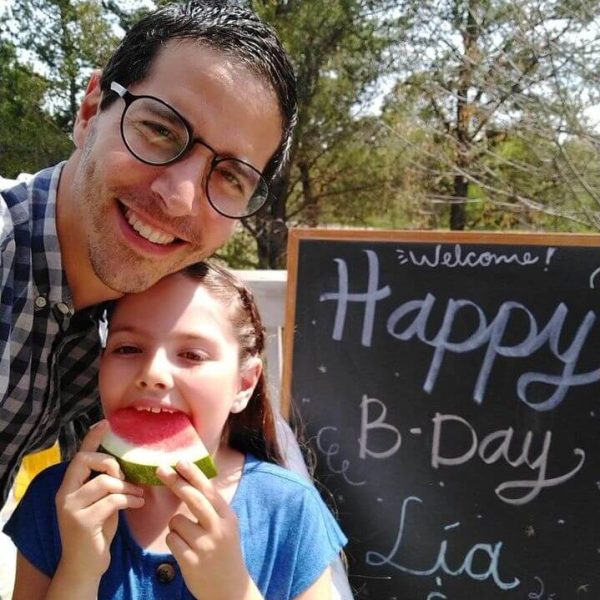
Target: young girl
[(192, 343)]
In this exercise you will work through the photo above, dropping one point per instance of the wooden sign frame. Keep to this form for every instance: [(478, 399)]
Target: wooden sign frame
[(448, 487)]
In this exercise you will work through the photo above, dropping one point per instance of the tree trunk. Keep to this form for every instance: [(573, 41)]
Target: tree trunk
[(271, 240), (470, 35), (311, 210), (458, 212)]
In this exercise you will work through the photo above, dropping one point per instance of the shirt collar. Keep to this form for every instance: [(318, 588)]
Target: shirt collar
[(48, 273)]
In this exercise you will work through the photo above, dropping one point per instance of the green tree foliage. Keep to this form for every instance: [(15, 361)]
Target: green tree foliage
[(490, 77), (339, 49), (29, 138), (63, 39), (488, 124), (47, 49)]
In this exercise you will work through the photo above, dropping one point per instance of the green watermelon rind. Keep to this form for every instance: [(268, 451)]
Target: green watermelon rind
[(146, 474), (139, 460)]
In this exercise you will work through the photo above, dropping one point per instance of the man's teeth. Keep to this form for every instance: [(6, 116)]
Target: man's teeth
[(154, 409), (148, 232)]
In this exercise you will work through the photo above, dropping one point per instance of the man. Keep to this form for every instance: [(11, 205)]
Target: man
[(175, 140)]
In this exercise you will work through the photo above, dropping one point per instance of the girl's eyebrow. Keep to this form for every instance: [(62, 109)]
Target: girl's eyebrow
[(131, 329), (112, 329)]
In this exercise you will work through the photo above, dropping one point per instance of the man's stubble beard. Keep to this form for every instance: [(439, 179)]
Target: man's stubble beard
[(115, 265)]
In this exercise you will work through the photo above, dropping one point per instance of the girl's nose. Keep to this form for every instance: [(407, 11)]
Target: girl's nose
[(155, 373)]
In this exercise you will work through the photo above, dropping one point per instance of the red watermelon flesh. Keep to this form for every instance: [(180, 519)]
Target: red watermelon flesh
[(162, 430), (142, 439)]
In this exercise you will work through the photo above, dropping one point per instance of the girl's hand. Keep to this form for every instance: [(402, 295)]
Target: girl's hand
[(88, 508), (208, 548)]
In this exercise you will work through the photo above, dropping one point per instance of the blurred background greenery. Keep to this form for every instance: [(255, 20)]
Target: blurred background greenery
[(459, 114)]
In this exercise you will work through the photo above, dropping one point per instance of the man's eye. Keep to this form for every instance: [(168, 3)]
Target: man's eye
[(228, 181), (155, 133), (126, 349), (159, 130), (232, 179)]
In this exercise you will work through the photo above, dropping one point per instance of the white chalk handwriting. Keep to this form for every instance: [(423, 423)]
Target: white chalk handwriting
[(496, 446), (481, 562), (456, 256), (413, 320), (330, 451), (367, 425)]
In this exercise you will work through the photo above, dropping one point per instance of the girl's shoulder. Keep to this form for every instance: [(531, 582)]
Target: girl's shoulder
[(273, 475), (275, 485), (285, 524), (38, 499)]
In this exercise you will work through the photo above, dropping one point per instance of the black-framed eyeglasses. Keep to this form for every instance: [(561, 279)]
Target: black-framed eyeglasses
[(156, 134)]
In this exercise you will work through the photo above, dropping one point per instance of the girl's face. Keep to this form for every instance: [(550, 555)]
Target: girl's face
[(172, 347)]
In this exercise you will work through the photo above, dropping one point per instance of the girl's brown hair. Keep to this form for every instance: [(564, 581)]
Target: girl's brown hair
[(252, 430)]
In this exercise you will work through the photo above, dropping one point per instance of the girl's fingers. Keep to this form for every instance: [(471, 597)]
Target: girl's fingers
[(197, 501), (186, 529), (200, 481), (84, 463), (94, 436), (181, 550), (104, 508), (80, 468), (104, 485), (102, 463), (185, 538)]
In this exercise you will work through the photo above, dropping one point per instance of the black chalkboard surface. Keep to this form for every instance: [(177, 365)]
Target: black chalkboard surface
[(449, 385)]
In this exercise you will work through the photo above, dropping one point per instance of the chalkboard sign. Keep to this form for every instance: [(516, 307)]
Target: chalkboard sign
[(449, 385)]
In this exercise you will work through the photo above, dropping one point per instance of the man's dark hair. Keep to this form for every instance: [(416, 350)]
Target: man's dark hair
[(224, 26)]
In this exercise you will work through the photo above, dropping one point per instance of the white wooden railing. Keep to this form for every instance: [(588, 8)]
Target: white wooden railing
[(269, 289)]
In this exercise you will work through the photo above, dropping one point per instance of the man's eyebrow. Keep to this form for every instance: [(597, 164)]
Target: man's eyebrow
[(176, 117), (243, 169), (167, 113)]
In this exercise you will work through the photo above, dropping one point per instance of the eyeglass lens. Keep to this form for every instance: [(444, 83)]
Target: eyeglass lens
[(156, 134)]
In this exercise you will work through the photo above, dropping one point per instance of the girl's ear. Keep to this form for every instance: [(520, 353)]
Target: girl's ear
[(249, 376), (88, 109)]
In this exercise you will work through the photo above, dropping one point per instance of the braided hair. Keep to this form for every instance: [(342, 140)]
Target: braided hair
[(253, 429)]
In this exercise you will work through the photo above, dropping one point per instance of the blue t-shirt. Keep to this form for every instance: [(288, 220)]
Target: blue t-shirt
[(288, 537)]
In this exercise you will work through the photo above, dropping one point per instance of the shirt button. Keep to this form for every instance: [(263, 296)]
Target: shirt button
[(62, 308), (165, 572), (40, 301)]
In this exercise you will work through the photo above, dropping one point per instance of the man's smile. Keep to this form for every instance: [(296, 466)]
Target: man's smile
[(146, 230), (144, 235)]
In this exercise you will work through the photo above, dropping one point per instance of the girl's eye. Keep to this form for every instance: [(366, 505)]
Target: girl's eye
[(126, 349), (194, 355)]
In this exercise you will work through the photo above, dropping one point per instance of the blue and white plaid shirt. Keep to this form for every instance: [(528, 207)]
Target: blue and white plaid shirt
[(48, 353)]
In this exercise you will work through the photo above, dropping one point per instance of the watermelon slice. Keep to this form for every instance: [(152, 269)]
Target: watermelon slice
[(143, 439)]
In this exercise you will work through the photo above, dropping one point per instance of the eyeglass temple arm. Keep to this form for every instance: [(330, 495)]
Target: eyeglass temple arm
[(118, 88)]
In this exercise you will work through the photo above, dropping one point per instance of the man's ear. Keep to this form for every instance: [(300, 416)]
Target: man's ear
[(249, 376), (88, 109)]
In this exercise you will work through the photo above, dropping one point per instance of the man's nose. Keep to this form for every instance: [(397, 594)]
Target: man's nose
[(182, 184), (155, 373)]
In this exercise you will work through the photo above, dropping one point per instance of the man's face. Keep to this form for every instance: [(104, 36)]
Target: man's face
[(141, 222)]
